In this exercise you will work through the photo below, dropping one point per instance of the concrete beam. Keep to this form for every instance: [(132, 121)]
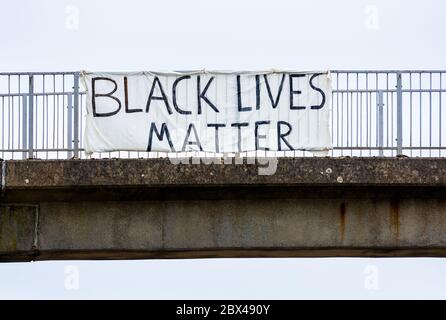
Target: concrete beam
[(128, 209)]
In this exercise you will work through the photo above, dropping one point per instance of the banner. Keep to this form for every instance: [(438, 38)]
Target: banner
[(222, 112)]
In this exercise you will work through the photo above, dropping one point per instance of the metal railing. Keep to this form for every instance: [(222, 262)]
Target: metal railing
[(374, 113)]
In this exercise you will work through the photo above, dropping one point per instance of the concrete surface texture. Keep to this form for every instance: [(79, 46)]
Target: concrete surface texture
[(308, 207)]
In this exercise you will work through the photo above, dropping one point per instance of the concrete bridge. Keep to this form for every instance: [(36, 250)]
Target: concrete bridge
[(311, 207)]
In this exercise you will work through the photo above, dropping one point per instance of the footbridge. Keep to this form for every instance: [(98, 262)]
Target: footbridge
[(379, 193)]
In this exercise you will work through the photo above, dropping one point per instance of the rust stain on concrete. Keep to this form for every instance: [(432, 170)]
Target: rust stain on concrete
[(342, 220), (395, 216)]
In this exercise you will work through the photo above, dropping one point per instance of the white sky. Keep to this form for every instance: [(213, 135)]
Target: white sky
[(229, 34), (131, 35)]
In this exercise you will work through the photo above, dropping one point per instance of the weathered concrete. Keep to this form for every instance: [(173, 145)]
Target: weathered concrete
[(297, 171), (125, 209)]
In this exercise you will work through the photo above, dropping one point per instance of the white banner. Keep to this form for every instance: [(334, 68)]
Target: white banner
[(221, 112)]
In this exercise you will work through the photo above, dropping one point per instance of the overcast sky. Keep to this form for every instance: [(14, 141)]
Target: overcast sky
[(232, 34), (131, 35)]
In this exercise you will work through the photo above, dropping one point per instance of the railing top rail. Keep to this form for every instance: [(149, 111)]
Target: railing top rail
[(38, 73), (387, 71), (332, 71)]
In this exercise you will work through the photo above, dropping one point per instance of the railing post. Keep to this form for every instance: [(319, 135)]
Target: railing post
[(76, 114), (24, 125), (69, 125), (380, 122), (399, 114), (31, 118)]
